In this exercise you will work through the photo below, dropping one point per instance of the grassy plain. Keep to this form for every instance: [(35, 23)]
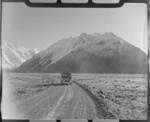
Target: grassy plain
[(124, 95)]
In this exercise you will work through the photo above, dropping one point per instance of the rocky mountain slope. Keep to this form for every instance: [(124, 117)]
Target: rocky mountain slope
[(13, 55), (96, 53)]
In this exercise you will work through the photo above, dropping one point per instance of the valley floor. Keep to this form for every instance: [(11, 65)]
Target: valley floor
[(91, 96)]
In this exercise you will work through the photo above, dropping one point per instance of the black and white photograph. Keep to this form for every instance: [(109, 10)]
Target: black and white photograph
[(74, 63)]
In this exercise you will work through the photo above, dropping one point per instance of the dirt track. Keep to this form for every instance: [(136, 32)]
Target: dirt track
[(58, 101)]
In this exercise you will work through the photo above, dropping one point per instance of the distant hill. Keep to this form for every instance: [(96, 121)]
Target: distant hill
[(13, 55), (96, 53)]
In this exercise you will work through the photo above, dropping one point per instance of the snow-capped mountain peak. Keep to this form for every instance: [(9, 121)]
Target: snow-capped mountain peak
[(14, 55)]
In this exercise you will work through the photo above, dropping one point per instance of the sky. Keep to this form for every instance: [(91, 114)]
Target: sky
[(41, 27)]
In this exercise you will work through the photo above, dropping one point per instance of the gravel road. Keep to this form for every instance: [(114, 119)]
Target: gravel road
[(58, 102)]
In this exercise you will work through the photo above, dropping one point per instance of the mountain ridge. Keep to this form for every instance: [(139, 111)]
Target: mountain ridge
[(111, 54)]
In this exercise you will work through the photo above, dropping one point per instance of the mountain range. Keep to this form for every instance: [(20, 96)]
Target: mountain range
[(13, 55), (88, 53)]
